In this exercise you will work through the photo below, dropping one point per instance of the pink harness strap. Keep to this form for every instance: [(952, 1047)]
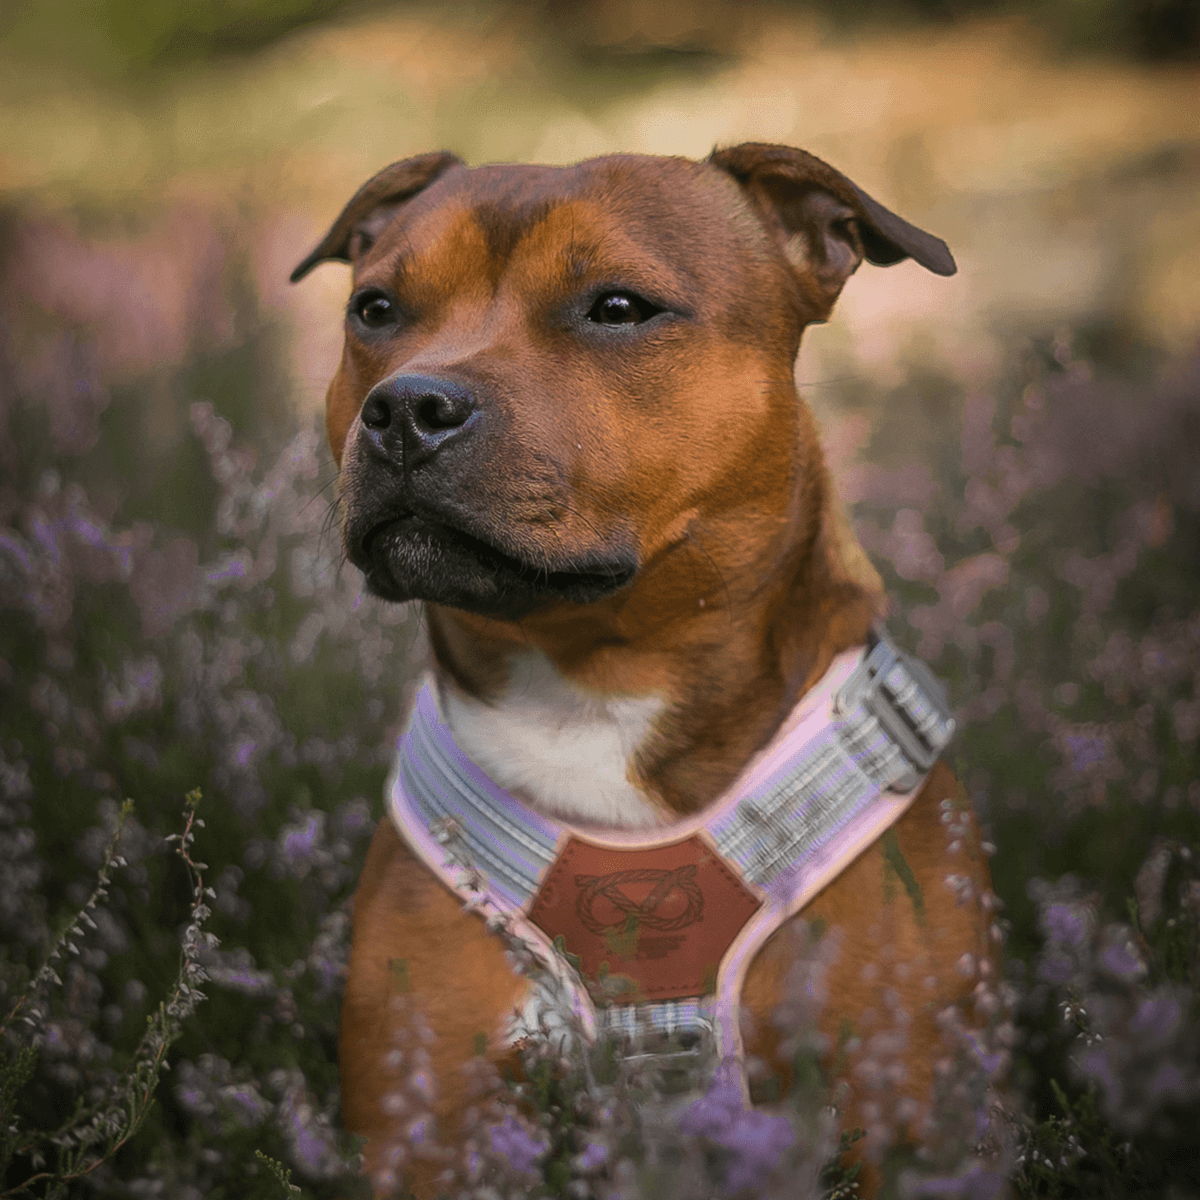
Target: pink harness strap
[(661, 926)]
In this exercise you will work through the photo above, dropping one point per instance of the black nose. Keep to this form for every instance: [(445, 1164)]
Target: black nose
[(410, 417)]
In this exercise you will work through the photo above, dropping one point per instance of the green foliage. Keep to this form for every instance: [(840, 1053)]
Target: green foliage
[(109, 1116), (840, 1177), (280, 1172), (1077, 1154), (894, 857)]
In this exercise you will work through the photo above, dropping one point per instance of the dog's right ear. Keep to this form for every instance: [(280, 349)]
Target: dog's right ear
[(373, 206)]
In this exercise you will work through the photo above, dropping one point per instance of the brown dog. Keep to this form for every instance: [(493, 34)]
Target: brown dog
[(566, 419)]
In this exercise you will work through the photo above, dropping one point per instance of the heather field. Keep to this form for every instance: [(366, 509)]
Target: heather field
[(197, 703)]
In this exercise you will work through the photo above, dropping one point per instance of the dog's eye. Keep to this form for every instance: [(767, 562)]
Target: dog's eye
[(621, 308), (374, 310)]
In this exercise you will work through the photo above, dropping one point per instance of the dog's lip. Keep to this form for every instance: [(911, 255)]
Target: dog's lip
[(597, 574)]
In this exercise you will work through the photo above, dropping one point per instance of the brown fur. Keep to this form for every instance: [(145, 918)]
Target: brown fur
[(681, 447)]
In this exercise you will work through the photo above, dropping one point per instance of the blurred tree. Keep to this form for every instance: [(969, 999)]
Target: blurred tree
[(1153, 30), (122, 38)]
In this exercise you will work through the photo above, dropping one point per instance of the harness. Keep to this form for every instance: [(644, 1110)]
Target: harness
[(651, 932)]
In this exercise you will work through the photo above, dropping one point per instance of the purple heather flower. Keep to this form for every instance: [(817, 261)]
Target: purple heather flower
[(511, 1141), (1066, 924), (247, 1105), (1157, 1015), (593, 1157), (978, 1183), (243, 755), (1096, 1065), (44, 534), (1169, 1083), (990, 1063), (298, 842), (15, 547), (754, 1139), (1121, 962), (1087, 750), (1056, 967), (245, 980), (309, 1149), (191, 1097)]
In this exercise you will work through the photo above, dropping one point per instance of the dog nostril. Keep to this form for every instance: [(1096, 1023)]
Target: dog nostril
[(376, 413), (436, 412)]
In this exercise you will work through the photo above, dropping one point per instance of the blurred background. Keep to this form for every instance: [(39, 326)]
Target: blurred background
[(1053, 145), (1019, 444)]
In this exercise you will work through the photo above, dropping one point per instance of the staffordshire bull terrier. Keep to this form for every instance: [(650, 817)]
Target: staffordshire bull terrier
[(662, 726)]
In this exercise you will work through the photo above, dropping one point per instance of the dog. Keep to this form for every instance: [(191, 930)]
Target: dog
[(565, 419)]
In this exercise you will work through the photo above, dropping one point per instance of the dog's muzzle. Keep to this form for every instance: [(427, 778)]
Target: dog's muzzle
[(428, 496)]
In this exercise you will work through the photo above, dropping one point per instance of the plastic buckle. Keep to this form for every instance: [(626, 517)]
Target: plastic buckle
[(867, 686)]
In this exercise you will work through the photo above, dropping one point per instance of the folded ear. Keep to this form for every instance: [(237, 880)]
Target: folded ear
[(373, 206), (827, 224)]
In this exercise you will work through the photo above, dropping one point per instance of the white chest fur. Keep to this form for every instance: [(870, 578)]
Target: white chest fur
[(564, 751)]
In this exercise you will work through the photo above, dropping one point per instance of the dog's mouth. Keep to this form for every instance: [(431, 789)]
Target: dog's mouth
[(413, 557)]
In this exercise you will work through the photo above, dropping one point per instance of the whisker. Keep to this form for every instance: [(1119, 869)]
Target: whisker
[(834, 381), (321, 490), (716, 571), (586, 521)]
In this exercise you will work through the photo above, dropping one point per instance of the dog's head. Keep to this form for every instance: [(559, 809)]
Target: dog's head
[(553, 376)]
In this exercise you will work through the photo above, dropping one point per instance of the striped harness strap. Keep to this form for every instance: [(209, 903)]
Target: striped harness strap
[(652, 932)]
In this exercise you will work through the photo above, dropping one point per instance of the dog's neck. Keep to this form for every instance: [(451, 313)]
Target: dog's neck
[(566, 750), (648, 708)]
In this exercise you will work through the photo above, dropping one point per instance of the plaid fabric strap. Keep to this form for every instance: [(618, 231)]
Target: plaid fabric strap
[(889, 724), (884, 726)]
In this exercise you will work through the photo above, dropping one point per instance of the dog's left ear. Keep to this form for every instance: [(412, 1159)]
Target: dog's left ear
[(827, 224), (373, 206)]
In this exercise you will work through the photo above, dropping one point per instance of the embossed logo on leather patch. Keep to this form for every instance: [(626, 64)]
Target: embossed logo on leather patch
[(645, 924)]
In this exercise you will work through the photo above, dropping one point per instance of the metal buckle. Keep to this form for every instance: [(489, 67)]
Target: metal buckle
[(656, 1066), (867, 686)]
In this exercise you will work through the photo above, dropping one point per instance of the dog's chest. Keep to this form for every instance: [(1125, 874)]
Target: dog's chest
[(568, 753)]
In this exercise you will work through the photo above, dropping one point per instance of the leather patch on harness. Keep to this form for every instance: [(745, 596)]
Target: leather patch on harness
[(644, 924)]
